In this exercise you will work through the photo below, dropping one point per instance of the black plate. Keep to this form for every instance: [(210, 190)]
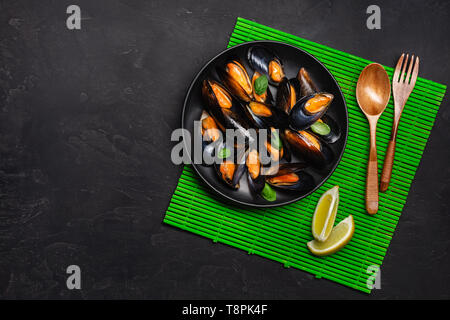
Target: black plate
[(293, 58)]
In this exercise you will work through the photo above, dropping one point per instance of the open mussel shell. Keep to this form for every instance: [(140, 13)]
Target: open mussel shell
[(256, 181), (235, 77), (210, 133), (264, 115), (266, 62), (309, 109), (335, 131), (299, 181), (283, 168), (231, 168), (209, 128), (287, 94), (275, 146), (266, 97), (225, 109), (230, 173), (307, 85), (287, 153), (309, 147), (216, 96)]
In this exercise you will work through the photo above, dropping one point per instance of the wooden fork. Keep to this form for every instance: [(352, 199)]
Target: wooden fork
[(402, 87)]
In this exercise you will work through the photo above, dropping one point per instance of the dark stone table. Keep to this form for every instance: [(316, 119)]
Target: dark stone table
[(85, 170)]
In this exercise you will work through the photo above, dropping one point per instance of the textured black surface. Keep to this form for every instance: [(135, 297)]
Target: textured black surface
[(85, 170)]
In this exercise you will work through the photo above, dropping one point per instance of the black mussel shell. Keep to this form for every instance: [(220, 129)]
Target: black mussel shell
[(264, 115), (235, 77), (256, 185), (209, 150), (274, 145), (287, 94), (335, 132), (231, 169), (225, 101), (309, 109), (210, 134), (307, 85), (299, 181), (287, 152), (255, 180), (283, 168), (209, 129), (226, 110), (310, 147), (296, 84), (266, 62), (230, 173), (265, 97)]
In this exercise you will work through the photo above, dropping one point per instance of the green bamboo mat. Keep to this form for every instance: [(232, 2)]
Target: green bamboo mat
[(281, 233)]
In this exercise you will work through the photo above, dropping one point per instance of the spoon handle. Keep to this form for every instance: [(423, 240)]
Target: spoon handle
[(387, 167), (372, 173)]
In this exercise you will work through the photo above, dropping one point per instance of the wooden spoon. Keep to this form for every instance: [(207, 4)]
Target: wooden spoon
[(372, 92)]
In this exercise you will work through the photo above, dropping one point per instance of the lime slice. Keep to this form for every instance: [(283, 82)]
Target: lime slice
[(339, 237), (325, 214)]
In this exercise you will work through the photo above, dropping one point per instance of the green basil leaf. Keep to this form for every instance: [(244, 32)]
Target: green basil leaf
[(268, 193), (224, 153), (320, 128), (261, 84), (275, 140)]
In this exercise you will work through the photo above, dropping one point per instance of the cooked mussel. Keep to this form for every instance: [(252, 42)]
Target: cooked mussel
[(331, 134), (211, 134), (283, 168), (298, 181), (215, 95), (287, 154), (264, 115), (274, 146), (209, 129), (275, 153), (265, 97), (230, 167), (287, 94), (255, 180), (266, 62), (236, 79), (230, 173), (309, 109), (307, 85), (226, 111), (309, 146)]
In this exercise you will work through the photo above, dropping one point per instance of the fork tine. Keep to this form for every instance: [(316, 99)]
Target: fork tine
[(402, 75), (411, 62), (398, 67), (415, 72)]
